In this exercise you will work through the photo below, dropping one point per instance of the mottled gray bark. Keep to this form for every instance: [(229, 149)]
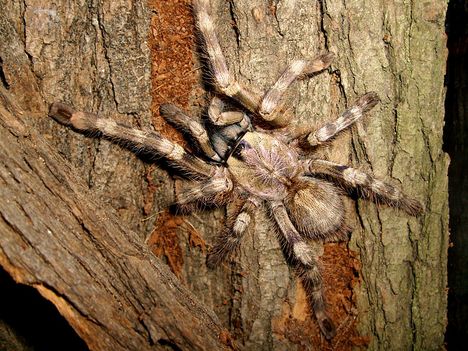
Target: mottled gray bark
[(94, 55), (101, 277)]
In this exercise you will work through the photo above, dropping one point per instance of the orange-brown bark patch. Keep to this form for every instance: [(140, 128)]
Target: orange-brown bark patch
[(341, 269), (340, 273), (174, 75), (164, 240), (174, 78)]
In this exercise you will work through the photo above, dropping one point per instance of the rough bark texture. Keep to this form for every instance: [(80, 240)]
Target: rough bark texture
[(55, 233), (398, 50), (387, 287), (98, 273)]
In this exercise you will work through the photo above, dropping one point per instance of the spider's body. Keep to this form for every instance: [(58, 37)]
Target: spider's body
[(246, 166), (264, 166)]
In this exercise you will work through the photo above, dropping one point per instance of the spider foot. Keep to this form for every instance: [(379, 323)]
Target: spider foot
[(327, 327), (61, 113), (223, 249), (212, 260)]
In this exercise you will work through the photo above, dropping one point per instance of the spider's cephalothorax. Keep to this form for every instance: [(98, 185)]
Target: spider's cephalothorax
[(258, 167)]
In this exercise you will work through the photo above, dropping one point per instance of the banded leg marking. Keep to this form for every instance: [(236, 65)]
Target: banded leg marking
[(137, 140), (297, 69), (229, 240), (369, 186), (179, 119), (299, 247), (364, 104), (306, 267), (210, 191), (312, 283), (224, 81), (220, 117)]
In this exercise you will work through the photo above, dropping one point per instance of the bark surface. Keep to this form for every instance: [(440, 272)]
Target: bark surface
[(386, 287), (72, 228), (99, 274)]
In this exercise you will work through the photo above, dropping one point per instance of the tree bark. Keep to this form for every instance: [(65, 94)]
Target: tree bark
[(65, 229), (397, 49), (98, 273), (387, 288)]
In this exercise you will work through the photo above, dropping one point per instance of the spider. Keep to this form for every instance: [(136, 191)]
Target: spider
[(248, 156)]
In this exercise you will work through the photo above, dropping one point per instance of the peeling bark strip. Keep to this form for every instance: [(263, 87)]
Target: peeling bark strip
[(99, 275)]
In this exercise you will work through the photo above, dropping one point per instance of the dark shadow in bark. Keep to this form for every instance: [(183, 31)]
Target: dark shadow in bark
[(35, 321), (455, 135)]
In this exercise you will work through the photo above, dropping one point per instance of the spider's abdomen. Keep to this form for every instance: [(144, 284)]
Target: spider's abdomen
[(265, 166), (316, 208)]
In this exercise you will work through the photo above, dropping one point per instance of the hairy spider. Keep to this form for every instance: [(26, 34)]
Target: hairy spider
[(253, 166)]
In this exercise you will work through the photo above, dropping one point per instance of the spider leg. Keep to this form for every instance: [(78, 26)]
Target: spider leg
[(229, 128), (267, 106), (230, 239), (224, 81), (305, 264), (271, 103), (367, 184), (179, 119), (362, 105), (211, 191), (137, 140), (221, 118)]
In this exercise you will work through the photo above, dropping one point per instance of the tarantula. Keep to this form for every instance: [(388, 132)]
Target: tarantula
[(239, 160)]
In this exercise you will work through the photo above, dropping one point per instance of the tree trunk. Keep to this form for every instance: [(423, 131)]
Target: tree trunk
[(386, 289)]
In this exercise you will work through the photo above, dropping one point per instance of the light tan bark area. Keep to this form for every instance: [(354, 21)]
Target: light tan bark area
[(386, 289)]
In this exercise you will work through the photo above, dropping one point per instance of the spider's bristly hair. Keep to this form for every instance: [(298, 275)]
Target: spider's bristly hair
[(238, 221), (309, 279), (145, 142), (297, 69), (364, 104), (224, 81), (61, 113), (245, 161), (189, 126), (212, 191), (304, 262), (316, 209), (225, 139), (368, 186), (227, 244), (219, 117)]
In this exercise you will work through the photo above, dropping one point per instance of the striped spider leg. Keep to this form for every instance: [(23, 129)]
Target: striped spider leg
[(267, 106), (209, 183), (137, 140), (230, 239), (304, 261), (368, 186)]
